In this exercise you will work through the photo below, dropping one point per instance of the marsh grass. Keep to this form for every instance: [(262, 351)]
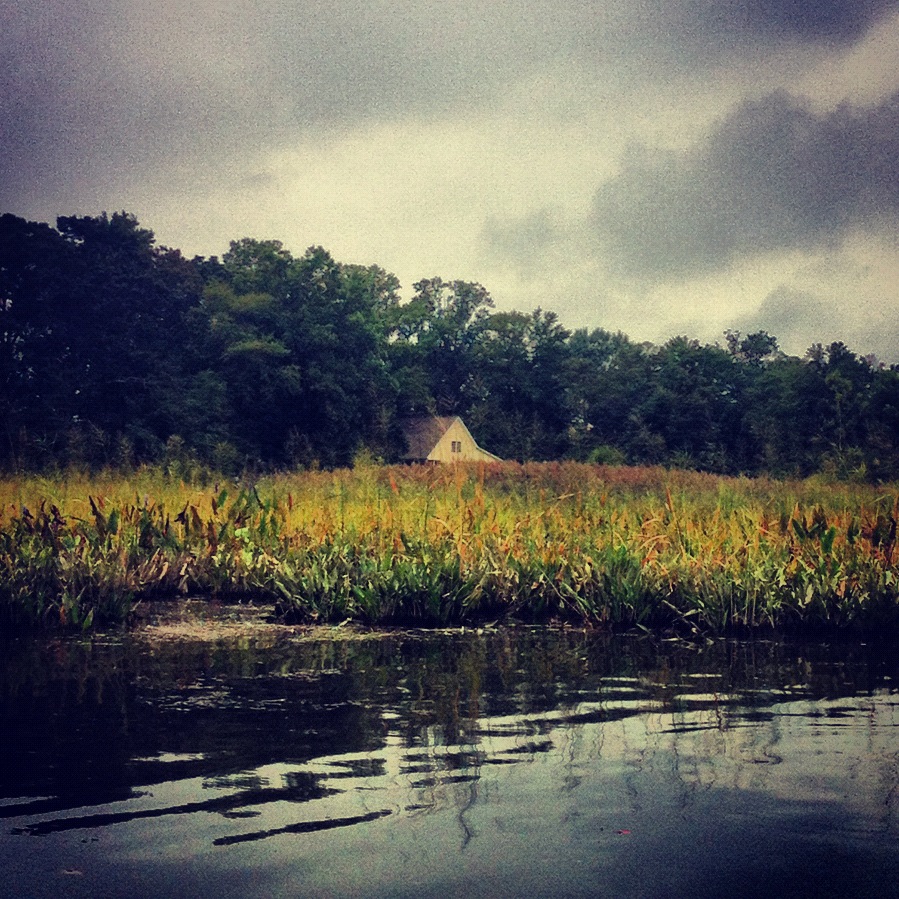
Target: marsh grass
[(617, 547)]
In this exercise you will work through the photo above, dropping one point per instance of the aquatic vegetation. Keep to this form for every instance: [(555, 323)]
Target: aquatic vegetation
[(614, 547)]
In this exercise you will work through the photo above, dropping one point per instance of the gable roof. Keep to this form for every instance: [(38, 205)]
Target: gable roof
[(422, 434), (435, 438)]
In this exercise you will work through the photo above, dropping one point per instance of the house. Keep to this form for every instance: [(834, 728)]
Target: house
[(445, 438)]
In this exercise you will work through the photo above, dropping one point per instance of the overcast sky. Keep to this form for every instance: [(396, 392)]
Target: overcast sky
[(658, 167)]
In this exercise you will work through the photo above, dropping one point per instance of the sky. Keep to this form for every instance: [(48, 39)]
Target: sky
[(657, 167)]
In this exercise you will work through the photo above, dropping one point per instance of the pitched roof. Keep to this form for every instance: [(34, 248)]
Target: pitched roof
[(422, 434)]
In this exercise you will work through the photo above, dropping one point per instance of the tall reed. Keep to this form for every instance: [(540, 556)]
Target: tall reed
[(611, 546)]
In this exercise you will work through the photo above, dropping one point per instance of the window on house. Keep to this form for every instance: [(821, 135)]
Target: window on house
[(456, 446)]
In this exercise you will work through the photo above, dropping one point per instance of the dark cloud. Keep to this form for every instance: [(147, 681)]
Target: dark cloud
[(774, 176), (839, 21), (110, 91), (112, 84), (529, 244), (205, 67), (676, 36), (799, 318)]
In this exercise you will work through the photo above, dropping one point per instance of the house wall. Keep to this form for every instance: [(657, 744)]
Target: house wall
[(469, 451)]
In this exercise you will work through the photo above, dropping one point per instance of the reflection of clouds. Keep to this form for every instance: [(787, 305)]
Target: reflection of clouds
[(792, 751), (543, 760), (797, 751), (569, 762)]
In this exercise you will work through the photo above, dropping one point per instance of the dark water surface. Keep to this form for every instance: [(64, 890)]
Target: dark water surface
[(525, 762)]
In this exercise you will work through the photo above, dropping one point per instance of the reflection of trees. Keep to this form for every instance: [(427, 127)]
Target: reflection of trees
[(301, 827), (417, 724)]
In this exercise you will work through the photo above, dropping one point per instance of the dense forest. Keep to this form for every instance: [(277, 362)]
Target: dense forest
[(117, 352)]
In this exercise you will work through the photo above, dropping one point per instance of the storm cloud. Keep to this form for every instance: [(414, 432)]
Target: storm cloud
[(773, 177), (842, 21), (787, 312), (827, 21), (127, 84), (596, 158)]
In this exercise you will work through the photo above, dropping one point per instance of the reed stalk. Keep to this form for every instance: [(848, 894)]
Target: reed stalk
[(613, 547)]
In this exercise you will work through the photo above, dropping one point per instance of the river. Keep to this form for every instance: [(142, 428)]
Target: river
[(251, 761)]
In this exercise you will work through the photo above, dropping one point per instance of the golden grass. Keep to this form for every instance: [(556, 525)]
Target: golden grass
[(613, 546)]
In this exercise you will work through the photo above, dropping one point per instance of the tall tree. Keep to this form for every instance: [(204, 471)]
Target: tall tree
[(609, 379), (105, 332), (697, 406), (434, 338), (31, 266), (518, 403), (301, 346)]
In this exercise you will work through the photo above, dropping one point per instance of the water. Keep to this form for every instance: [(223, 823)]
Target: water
[(529, 762)]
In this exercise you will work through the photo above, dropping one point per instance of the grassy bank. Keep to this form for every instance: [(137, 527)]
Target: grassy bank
[(423, 545)]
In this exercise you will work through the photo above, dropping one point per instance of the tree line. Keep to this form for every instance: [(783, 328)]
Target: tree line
[(117, 351)]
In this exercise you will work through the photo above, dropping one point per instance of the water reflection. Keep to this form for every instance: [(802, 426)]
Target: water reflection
[(549, 762)]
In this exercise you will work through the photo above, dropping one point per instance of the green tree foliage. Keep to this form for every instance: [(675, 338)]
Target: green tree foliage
[(299, 347), (96, 337), (517, 390), (609, 381), (30, 272), (114, 350), (434, 343), (697, 404)]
